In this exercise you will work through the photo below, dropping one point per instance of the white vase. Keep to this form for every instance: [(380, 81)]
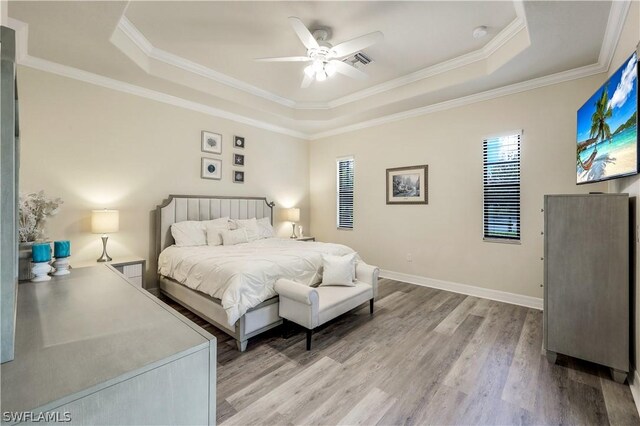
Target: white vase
[(24, 261)]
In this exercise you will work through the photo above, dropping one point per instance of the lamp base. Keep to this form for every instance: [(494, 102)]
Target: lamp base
[(293, 231), (105, 257)]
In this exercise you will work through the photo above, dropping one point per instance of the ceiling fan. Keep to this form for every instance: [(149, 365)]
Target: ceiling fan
[(326, 59)]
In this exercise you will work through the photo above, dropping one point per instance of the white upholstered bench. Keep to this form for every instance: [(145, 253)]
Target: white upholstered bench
[(311, 307)]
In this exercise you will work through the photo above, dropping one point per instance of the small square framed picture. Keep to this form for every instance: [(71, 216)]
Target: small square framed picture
[(238, 176), (238, 160), (238, 142), (211, 168), (211, 142)]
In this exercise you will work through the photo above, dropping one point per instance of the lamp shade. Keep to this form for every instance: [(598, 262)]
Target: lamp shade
[(293, 215), (105, 221)]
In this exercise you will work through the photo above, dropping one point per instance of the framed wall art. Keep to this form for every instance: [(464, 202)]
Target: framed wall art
[(211, 168), (408, 185), (238, 176), (238, 142), (211, 142)]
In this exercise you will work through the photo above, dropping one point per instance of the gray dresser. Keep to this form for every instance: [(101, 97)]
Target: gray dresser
[(586, 291), (93, 347)]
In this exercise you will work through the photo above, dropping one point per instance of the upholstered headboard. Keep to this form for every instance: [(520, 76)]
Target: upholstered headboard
[(178, 208)]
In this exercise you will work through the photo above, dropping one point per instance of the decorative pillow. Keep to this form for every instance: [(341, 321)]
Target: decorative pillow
[(339, 270), (214, 229), (251, 225), (189, 233), (233, 237), (265, 230)]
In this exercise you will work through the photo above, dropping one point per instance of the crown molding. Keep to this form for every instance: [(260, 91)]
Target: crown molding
[(140, 41), (536, 83), (147, 48), (109, 83), (617, 15), (484, 53), (77, 74), (615, 23)]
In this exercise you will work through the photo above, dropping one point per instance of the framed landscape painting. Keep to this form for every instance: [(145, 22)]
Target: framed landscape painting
[(407, 185)]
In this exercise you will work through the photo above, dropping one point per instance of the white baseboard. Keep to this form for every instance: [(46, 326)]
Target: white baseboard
[(470, 290), (634, 385)]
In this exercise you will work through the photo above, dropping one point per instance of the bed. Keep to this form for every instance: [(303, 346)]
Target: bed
[(232, 286)]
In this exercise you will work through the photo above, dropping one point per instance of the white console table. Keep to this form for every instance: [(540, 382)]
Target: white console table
[(96, 347)]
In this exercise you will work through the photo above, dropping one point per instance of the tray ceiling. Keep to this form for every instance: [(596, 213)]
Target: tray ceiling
[(201, 54)]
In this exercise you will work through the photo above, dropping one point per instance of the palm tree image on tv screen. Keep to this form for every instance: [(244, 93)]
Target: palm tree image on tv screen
[(608, 128)]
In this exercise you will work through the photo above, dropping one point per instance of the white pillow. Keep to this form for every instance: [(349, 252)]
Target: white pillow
[(251, 225), (265, 230), (214, 230), (189, 233), (339, 270), (233, 237)]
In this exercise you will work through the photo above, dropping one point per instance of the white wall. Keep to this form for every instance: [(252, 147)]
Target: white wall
[(628, 41), (444, 237), (96, 148)]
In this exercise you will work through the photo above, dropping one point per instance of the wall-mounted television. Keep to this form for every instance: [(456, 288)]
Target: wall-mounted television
[(607, 137)]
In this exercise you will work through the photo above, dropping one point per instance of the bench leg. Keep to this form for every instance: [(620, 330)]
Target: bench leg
[(371, 306), (309, 333)]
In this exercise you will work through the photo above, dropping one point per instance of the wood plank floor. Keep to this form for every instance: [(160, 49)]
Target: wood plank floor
[(425, 356)]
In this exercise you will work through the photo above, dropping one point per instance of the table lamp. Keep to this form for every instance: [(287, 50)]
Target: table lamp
[(104, 222), (293, 216)]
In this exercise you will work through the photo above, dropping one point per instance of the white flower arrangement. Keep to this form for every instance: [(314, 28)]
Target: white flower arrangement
[(35, 208)]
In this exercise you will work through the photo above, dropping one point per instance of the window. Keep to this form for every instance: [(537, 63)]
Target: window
[(501, 160), (344, 192)]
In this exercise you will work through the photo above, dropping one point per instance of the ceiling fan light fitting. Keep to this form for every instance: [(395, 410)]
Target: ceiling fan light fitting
[(318, 66), (309, 71), (326, 59), (330, 69)]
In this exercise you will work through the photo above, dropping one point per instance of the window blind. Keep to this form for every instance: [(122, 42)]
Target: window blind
[(501, 161), (344, 191)]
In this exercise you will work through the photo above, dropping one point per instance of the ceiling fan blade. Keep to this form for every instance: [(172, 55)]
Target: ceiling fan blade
[(352, 46), (306, 81), (303, 33), (285, 59), (348, 70)]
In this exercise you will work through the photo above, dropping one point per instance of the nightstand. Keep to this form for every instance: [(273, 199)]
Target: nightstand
[(306, 238), (132, 268)]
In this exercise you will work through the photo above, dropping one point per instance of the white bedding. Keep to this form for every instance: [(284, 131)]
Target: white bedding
[(243, 276)]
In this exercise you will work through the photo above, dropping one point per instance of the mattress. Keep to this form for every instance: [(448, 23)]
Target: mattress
[(243, 276)]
